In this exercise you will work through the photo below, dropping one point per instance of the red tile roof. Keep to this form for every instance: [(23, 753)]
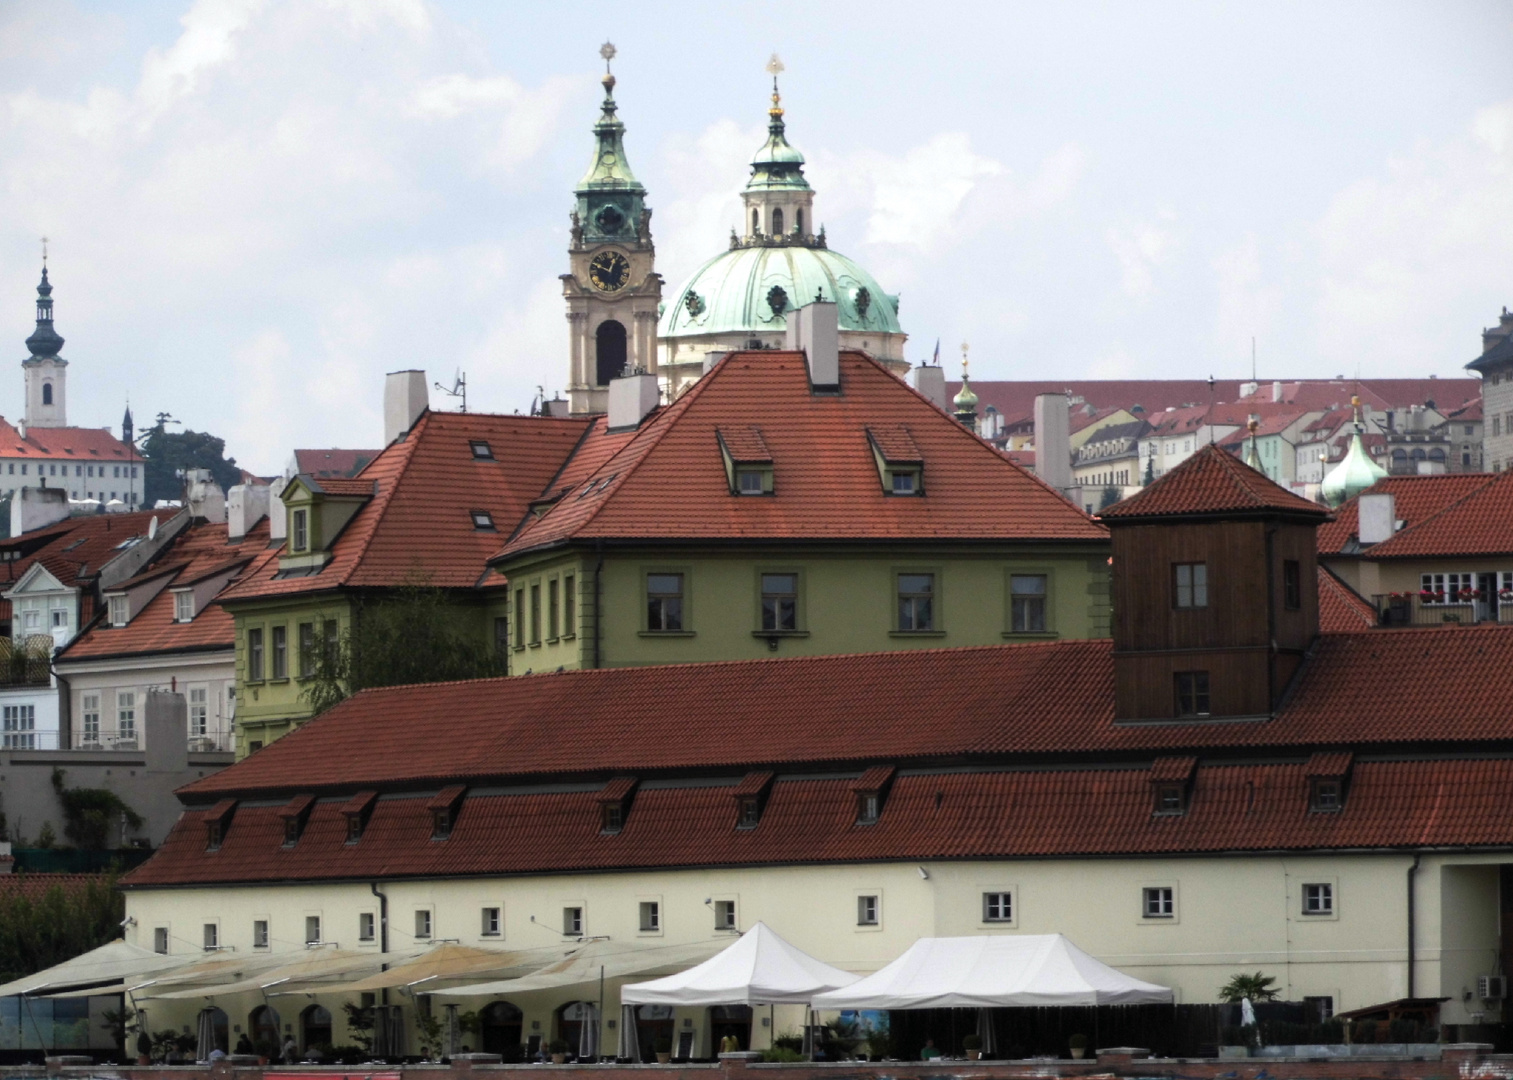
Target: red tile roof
[(1415, 498), (1341, 609), (1480, 523), (76, 548), (64, 444), (1471, 410), (322, 464), (1379, 394), (421, 490), (1212, 481), (667, 481), (1168, 769), (35, 886), (1016, 399), (744, 443)]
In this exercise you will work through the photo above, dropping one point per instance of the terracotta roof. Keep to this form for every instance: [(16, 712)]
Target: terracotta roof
[(35, 886), (745, 443), (1330, 764), (1380, 394), (982, 814), (200, 551), (894, 443), (1169, 769), (1471, 410), (77, 547), (64, 444), (666, 481), (1479, 523), (1341, 609), (421, 491), (1016, 398), (1415, 498), (330, 463), (1212, 481)]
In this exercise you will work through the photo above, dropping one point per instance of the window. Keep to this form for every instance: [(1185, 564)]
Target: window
[(1447, 588), (259, 933), (60, 618), (491, 922), (183, 606), (1027, 598), (89, 709), (299, 530), (212, 937), (1192, 693), (569, 605), (916, 602), (423, 925), (903, 482), (611, 817), (1318, 899), (354, 828), (866, 910), (1190, 585), (536, 614), (749, 481), (255, 655), (306, 650), (1325, 795), (126, 714), (482, 519), (119, 610), (868, 806), (1160, 903), (1292, 584), (1171, 798), (215, 832), (365, 926), (553, 609), (572, 921), (651, 916), (280, 652), (18, 729), (331, 639), (291, 831), (997, 907), (519, 618), (481, 450), (160, 940), (312, 929), (664, 602), (750, 813), (1319, 1008), (724, 915), (441, 824), (199, 711), (780, 601)]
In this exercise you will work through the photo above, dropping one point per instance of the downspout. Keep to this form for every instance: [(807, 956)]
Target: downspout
[(1271, 621), (383, 917), (1412, 872), (598, 599)]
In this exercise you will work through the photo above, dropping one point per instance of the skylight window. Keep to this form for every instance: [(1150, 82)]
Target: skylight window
[(482, 519), (481, 450)]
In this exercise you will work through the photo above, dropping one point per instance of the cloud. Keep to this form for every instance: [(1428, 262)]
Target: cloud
[(1140, 250), (700, 199), (1247, 303)]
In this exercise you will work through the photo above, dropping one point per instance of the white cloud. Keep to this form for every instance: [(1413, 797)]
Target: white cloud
[(700, 201), (1141, 249), (1247, 302)]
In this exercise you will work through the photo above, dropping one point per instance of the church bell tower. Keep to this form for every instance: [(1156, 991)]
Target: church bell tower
[(46, 372), (613, 291)]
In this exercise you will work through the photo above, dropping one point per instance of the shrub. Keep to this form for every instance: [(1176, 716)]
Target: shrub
[(558, 1046), (971, 1042), (775, 1053), (663, 1045), (1364, 1031)]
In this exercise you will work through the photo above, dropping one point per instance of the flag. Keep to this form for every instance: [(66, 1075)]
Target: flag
[(936, 361)]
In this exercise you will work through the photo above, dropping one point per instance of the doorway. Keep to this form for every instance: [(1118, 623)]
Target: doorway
[(263, 1026), (315, 1027), (654, 1027), (730, 1020), (499, 1029), (1486, 597)]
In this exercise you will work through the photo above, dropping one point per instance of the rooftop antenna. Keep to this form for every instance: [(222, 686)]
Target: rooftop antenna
[(1209, 419), (459, 389), (1252, 358)]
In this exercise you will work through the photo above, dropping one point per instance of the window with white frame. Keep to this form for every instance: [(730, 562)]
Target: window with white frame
[(997, 907), (120, 610), (18, 727), (199, 711), (89, 717), (651, 916), (724, 915), (1446, 588), (259, 933), (572, 921), (126, 714), (160, 939), (312, 929), (212, 937), (492, 923), (299, 528), (1318, 899), (183, 606), (1159, 902), (423, 925), (365, 926), (867, 910)]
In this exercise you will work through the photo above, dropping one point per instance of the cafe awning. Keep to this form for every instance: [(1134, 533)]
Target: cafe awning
[(595, 959), (111, 963), (310, 973), (447, 963)]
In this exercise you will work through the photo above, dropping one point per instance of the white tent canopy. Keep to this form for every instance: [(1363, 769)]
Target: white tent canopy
[(758, 969), (109, 964), (992, 972)]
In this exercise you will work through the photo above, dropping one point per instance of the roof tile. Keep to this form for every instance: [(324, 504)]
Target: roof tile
[(1212, 481)]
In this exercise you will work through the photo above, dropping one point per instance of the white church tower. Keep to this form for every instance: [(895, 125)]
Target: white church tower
[(46, 371)]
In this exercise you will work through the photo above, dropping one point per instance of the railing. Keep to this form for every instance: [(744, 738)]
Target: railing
[(28, 740), (26, 663), (1419, 609), (101, 737)]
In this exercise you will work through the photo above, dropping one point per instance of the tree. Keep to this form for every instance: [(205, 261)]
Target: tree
[(1150, 470), (92, 816), (1109, 497), (40, 927), (417, 634), (1257, 987), (166, 454)]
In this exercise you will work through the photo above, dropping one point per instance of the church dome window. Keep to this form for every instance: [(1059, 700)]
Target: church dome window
[(694, 303), (610, 219), (863, 300), (777, 299), (777, 222)]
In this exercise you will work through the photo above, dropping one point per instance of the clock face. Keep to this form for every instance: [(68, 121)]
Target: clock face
[(609, 271)]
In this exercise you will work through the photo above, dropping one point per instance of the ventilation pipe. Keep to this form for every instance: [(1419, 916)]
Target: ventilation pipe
[(406, 397), (814, 330)]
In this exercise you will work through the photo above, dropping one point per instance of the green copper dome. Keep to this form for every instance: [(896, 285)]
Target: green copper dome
[(751, 289), (1354, 474)]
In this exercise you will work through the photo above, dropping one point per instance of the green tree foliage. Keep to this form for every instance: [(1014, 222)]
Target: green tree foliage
[(166, 454), (1109, 497), (92, 816), (1257, 987), (417, 634), (38, 931)]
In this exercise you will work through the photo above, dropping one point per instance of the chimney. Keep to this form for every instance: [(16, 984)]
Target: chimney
[(931, 382), (1490, 339), (405, 398), (631, 400), (37, 508), (204, 497), (1377, 518), (1053, 441), (278, 521), (246, 505), (814, 330), (1276, 391)]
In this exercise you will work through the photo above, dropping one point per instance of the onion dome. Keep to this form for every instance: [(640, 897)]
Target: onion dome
[(1356, 471), (965, 399), (45, 342)]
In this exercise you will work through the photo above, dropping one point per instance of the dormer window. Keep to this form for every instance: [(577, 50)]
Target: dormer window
[(904, 481), (444, 809), (614, 804), (183, 606), (217, 821), (119, 610), (294, 816), (1170, 799), (748, 462), (482, 519), (299, 530), (868, 807), (750, 814), (1328, 773), (1325, 796), (357, 811), (870, 790), (750, 794), (900, 465), (611, 818), (749, 482), (1171, 780), (482, 451)]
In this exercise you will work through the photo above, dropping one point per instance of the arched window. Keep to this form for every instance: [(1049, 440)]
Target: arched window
[(315, 1027), (47, 393), (263, 1026), (1399, 455), (499, 1030), (777, 222), (756, 221), (1418, 454), (1436, 454), (798, 221), (609, 351)]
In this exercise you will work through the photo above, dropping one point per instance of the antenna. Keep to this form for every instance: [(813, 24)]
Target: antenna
[(458, 389), (1252, 358)]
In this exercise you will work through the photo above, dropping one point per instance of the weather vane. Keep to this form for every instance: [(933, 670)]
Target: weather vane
[(774, 67), (607, 50), (44, 251), (964, 347)]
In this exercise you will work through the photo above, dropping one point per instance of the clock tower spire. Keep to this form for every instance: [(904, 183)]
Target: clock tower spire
[(612, 290)]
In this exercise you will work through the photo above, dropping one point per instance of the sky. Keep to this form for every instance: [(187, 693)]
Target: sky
[(257, 208)]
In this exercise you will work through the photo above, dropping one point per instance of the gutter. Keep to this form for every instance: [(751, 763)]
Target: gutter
[(1412, 873)]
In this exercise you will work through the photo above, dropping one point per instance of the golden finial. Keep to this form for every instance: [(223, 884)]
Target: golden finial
[(964, 348), (1253, 424), (774, 68)]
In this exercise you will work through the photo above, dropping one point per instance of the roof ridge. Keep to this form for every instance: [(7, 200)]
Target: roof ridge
[(1474, 493), (383, 495)]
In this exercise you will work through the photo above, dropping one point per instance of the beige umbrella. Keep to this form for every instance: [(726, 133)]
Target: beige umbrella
[(599, 959), (449, 962), (307, 973), (219, 967)]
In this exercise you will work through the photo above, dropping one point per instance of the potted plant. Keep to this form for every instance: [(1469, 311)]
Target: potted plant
[(663, 1047), (1078, 1045), (558, 1051), (972, 1044), (144, 1047), (264, 1050)]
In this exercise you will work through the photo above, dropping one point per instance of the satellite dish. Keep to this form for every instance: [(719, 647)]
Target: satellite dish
[(152, 528)]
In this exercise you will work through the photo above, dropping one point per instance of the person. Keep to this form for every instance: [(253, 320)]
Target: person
[(291, 1052), (217, 1054), (929, 1053), (730, 1045), (244, 1044)]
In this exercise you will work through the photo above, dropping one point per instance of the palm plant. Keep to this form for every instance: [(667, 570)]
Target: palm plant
[(1257, 987)]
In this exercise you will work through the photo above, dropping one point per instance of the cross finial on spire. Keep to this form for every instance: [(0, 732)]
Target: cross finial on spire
[(964, 348), (44, 251), (774, 68), (607, 51)]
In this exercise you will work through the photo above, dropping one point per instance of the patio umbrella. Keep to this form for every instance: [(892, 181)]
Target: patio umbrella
[(588, 1034), (630, 1037), (206, 1036), (986, 1033)]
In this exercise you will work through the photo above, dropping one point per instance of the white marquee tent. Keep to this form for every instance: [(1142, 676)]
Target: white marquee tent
[(994, 972), (759, 968)]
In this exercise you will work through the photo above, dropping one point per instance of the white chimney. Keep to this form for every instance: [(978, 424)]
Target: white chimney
[(1276, 391), (1377, 518), (37, 508), (931, 382), (631, 400), (1053, 441), (278, 520), (405, 398), (246, 505), (814, 330), (204, 496)]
